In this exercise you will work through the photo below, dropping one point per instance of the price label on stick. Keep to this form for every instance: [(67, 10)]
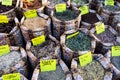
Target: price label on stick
[(60, 7), (3, 19), (84, 10), (100, 28), (13, 76), (47, 65), (7, 2), (85, 59), (30, 13), (109, 2), (72, 35), (5, 49), (115, 50), (38, 40)]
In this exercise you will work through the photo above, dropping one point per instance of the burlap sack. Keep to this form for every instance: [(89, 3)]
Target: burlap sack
[(59, 62), (59, 27), (102, 60), (43, 30), (68, 54), (22, 77), (89, 25), (34, 60), (14, 37), (20, 67)]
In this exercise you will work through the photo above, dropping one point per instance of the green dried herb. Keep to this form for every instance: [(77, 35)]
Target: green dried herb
[(112, 8), (66, 15), (81, 42), (80, 2)]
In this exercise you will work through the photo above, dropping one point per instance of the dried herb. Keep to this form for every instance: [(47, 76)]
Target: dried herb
[(66, 15), (9, 60), (112, 8), (58, 74), (93, 71), (81, 42), (90, 18), (43, 50), (80, 2), (7, 27)]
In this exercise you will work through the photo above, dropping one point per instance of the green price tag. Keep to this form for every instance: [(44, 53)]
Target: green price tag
[(72, 35), (84, 10), (85, 59), (38, 40), (7, 2), (5, 49), (60, 7), (47, 65), (100, 28), (109, 2), (13, 76), (115, 50), (30, 13), (3, 19)]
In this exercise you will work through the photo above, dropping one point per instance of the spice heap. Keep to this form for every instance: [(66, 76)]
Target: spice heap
[(93, 71), (34, 23), (90, 18), (9, 60), (58, 74), (4, 8), (112, 8), (43, 50), (81, 42), (52, 3), (7, 27), (66, 15), (80, 2), (32, 4)]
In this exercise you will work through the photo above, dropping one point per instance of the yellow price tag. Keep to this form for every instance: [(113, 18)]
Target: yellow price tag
[(38, 40), (60, 7), (72, 35), (84, 10), (30, 13), (109, 2), (47, 65), (7, 2), (3, 19), (85, 59), (115, 50), (5, 49), (13, 76), (100, 28)]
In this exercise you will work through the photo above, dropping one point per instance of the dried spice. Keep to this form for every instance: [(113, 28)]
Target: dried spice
[(43, 50), (9, 60), (80, 2), (112, 8), (90, 18), (34, 23), (35, 4), (66, 15), (93, 71), (58, 74), (81, 42), (52, 3), (7, 27)]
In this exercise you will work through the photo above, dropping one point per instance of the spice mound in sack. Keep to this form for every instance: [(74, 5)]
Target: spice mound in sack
[(34, 23), (112, 8), (116, 61), (66, 15), (7, 27), (80, 2), (45, 49), (52, 3), (9, 60), (4, 8), (92, 71), (58, 74), (90, 18), (81, 42)]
